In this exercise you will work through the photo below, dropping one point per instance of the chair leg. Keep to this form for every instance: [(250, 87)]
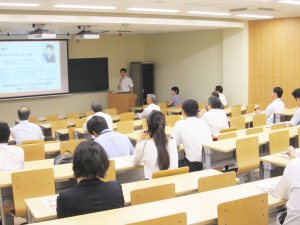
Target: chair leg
[(252, 175), (241, 178)]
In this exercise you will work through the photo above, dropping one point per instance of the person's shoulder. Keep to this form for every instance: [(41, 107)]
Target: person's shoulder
[(16, 149), (113, 184), (34, 125)]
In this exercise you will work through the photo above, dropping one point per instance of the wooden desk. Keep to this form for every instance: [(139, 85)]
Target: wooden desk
[(184, 184), (201, 208), (174, 110)]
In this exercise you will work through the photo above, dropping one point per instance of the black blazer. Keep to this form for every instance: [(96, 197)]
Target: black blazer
[(90, 195)]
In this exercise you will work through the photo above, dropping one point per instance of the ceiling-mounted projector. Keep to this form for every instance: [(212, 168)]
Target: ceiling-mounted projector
[(86, 34), (40, 33)]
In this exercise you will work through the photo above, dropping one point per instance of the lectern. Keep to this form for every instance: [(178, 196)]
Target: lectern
[(121, 101)]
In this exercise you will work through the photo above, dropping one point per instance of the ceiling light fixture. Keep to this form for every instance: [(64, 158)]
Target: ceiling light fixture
[(19, 4), (254, 16), (153, 10), (292, 2), (85, 7), (208, 13)]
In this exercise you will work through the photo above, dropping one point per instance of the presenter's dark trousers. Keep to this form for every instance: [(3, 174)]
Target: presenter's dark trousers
[(193, 166)]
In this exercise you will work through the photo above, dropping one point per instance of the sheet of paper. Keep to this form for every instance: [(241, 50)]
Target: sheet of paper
[(50, 202), (269, 187)]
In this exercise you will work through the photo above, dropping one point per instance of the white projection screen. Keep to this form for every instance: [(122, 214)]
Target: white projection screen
[(33, 68)]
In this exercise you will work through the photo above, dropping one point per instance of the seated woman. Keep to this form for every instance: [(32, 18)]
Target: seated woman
[(175, 98), (91, 194), (157, 152)]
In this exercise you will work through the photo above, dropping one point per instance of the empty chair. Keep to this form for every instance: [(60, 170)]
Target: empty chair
[(126, 116), (238, 122), (217, 181), (236, 111), (279, 141), (175, 219), (34, 151), (246, 211), (112, 111), (171, 172), (152, 194), (56, 125), (27, 142), (250, 108), (172, 119), (278, 126), (125, 127), (34, 119), (53, 117), (254, 130), (69, 145), (227, 135), (79, 122), (224, 130), (73, 115), (111, 172), (259, 120)]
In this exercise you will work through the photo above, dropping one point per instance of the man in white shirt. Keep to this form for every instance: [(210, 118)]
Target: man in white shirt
[(222, 97), (125, 82), (26, 130), (215, 117), (11, 157), (151, 99), (296, 117), (192, 132), (97, 109)]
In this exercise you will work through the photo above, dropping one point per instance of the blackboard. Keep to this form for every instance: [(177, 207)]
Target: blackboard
[(88, 75)]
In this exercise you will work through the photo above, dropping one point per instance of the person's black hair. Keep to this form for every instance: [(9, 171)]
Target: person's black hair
[(4, 132), (96, 124), (90, 160), (175, 89), (219, 89), (278, 91), (96, 107), (215, 102), (156, 129), (296, 93), (123, 70), (49, 46), (190, 107), (23, 113), (216, 94)]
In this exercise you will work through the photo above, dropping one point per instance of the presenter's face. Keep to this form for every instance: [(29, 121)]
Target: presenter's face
[(123, 74)]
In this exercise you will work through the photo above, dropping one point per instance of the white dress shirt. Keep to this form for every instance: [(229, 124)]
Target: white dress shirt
[(11, 158), (146, 154), (126, 84), (148, 110), (216, 120), (107, 118), (296, 118), (223, 99), (25, 130), (289, 189), (275, 106), (192, 133)]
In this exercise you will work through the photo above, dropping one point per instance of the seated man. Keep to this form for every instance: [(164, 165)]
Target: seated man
[(296, 117), (114, 144), (97, 109), (222, 97), (192, 133), (11, 157), (26, 130), (215, 117), (151, 106), (175, 99)]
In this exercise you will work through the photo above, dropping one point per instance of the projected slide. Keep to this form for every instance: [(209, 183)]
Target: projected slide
[(33, 68)]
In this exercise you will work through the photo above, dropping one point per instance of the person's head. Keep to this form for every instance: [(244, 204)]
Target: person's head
[(90, 160), (214, 103), (156, 129), (216, 94), (96, 125), (96, 107), (151, 99), (123, 72), (296, 95), (277, 92), (175, 91), (49, 50), (219, 89), (4, 132), (190, 108), (23, 113)]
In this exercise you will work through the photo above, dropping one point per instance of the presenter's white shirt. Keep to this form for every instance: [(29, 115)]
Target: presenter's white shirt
[(216, 120), (148, 110), (107, 118), (192, 133), (26, 130), (275, 106), (126, 84), (11, 158), (223, 99), (146, 154), (296, 118)]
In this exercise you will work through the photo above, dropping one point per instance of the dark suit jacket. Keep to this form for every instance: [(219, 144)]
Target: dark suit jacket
[(90, 195)]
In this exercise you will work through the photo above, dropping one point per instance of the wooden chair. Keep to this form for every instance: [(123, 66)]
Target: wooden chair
[(278, 126), (111, 172), (164, 111), (152, 194), (172, 119), (250, 108), (34, 152), (172, 172), (79, 122), (28, 142), (31, 184), (144, 124), (254, 130), (89, 113), (224, 130), (125, 127), (59, 124), (71, 133), (236, 111), (246, 211), (175, 219), (162, 105), (34, 119), (126, 116), (52, 117), (201, 106), (73, 115), (69, 145), (262, 106), (259, 120), (238, 122), (217, 181), (227, 135), (279, 141)]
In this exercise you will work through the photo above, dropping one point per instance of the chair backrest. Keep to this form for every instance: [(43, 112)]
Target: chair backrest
[(279, 141), (112, 111), (247, 154), (262, 106), (224, 130), (250, 108), (144, 124), (227, 135), (34, 151), (71, 133), (52, 117), (175, 219), (254, 130), (28, 142), (79, 122), (69, 145), (111, 172), (236, 111), (166, 173), (125, 127), (238, 122), (89, 113), (259, 120), (59, 124), (172, 119), (201, 105), (246, 211), (34, 119), (162, 105), (164, 111), (73, 115), (30, 184), (278, 126), (126, 116), (217, 181), (152, 194)]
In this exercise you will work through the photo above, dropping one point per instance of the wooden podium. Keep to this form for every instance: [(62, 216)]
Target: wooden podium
[(121, 101)]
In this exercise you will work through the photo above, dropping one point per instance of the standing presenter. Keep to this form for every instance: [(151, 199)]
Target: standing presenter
[(125, 83)]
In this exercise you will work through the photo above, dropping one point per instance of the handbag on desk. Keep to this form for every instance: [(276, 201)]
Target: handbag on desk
[(65, 157)]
